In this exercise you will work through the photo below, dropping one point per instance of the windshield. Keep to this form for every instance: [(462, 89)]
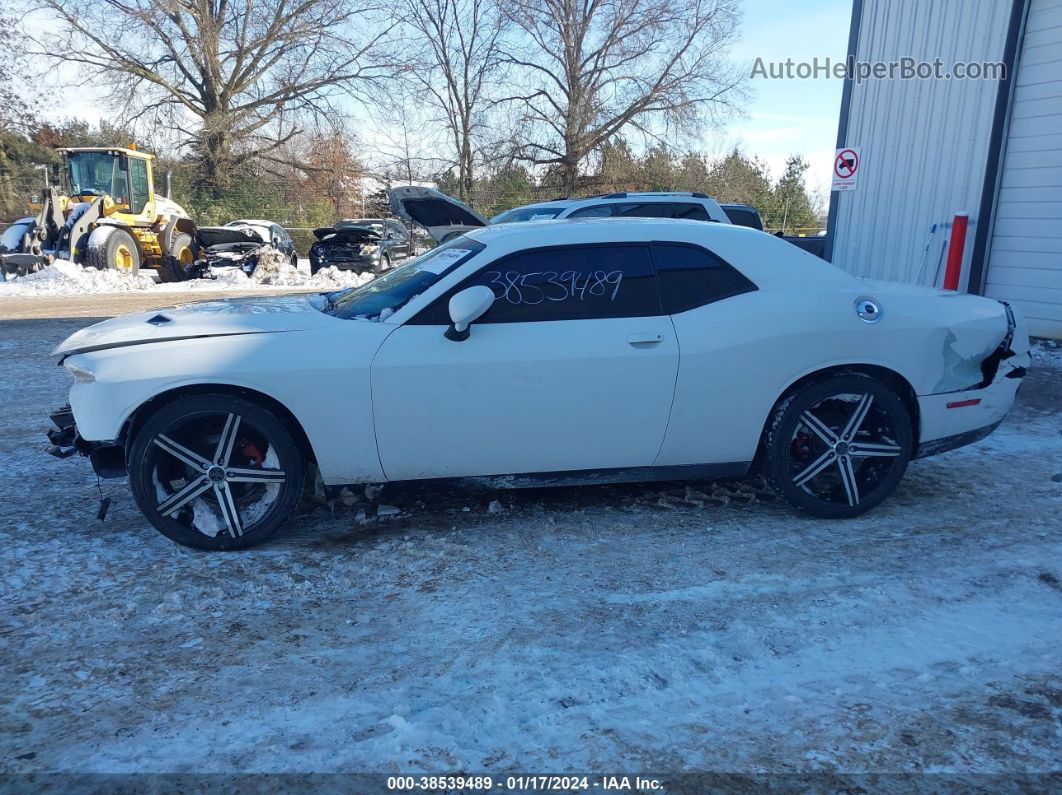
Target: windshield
[(520, 214), (97, 173), (382, 297)]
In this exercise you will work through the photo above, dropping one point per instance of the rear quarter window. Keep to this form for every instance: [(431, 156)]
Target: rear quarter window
[(690, 276)]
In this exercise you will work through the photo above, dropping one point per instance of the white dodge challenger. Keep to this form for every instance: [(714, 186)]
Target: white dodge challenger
[(557, 351)]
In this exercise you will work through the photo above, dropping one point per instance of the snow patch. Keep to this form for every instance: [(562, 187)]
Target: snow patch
[(1047, 353), (274, 272), (63, 276)]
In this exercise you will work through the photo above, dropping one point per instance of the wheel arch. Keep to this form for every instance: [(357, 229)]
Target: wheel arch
[(903, 388), (140, 414)]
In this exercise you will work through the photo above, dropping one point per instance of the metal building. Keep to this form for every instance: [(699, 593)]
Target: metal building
[(930, 148)]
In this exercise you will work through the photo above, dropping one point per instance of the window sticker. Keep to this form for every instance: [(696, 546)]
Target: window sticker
[(444, 259)]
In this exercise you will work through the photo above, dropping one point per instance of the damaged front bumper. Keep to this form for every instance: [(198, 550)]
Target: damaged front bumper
[(950, 420), (107, 458)]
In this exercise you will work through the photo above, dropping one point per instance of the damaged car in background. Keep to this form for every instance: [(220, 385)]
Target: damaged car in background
[(363, 245), (548, 352), (239, 244)]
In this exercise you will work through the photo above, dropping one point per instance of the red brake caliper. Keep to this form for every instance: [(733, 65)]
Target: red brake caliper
[(251, 452)]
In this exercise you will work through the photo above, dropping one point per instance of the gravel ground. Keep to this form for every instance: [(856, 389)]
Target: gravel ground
[(656, 628)]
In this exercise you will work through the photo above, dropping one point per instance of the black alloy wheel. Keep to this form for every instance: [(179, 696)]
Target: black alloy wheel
[(838, 447), (216, 472)]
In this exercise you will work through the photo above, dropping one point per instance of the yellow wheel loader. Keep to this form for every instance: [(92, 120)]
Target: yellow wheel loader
[(112, 218)]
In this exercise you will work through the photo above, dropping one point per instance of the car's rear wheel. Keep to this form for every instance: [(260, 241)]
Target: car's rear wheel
[(838, 447), (216, 471)]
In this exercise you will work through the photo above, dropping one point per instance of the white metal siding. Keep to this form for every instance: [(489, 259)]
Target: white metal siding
[(924, 142), (1025, 260)]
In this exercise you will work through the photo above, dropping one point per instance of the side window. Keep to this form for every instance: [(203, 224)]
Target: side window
[(645, 210), (694, 212), (690, 277), (279, 236), (139, 180), (742, 217), (597, 211), (575, 283)]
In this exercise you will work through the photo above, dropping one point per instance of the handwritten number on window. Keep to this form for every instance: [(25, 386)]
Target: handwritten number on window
[(541, 286)]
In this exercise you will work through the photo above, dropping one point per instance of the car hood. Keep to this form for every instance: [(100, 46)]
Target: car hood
[(227, 317), (441, 215), (208, 236), (346, 235)]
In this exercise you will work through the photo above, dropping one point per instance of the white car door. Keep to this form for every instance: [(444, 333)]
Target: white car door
[(572, 368)]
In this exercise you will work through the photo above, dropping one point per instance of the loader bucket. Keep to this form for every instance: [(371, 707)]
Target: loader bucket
[(21, 264)]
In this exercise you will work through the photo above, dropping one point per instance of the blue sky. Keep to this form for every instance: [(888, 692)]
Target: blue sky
[(782, 116), (791, 116)]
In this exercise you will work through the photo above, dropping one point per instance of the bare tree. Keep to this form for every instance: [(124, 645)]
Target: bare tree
[(401, 152), (461, 41), (595, 67), (237, 72), (17, 110)]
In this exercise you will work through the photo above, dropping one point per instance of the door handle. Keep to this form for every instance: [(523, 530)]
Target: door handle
[(645, 339)]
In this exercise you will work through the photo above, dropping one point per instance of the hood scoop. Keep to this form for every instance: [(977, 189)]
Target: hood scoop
[(222, 318)]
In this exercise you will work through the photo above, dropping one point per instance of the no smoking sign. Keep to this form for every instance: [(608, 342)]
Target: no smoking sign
[(846, 168)]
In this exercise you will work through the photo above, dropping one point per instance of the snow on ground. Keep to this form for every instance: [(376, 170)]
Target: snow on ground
[(654, 628), (66, 278), (1047, 353)]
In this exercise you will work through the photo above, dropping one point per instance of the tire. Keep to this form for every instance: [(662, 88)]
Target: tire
[(173, 464), (384, 266), (838, 447), (112, 248), (294, 260), (178, 264)]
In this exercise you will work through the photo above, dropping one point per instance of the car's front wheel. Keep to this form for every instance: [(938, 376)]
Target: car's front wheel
[(216, 471), (838, 447)]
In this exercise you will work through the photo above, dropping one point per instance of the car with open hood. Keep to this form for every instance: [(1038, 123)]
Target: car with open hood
[(363, 245), (238, 244), (444, 217), (549, 352)]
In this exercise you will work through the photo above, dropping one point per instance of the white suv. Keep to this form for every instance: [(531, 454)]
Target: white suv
[(444, 217)]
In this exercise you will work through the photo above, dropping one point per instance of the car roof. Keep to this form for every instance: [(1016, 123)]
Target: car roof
[(613, 198), (764, 258), (252, 222)]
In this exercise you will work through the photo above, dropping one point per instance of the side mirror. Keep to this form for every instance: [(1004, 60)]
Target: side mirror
[(465, 308)]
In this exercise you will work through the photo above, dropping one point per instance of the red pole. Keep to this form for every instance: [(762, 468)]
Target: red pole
[(955, 249)]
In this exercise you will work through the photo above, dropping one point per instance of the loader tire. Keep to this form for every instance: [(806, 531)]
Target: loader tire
[(111, 248), (178, 263)]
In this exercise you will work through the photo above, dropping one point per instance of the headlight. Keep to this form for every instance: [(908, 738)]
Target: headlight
[(81, 374), (369, 250)]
